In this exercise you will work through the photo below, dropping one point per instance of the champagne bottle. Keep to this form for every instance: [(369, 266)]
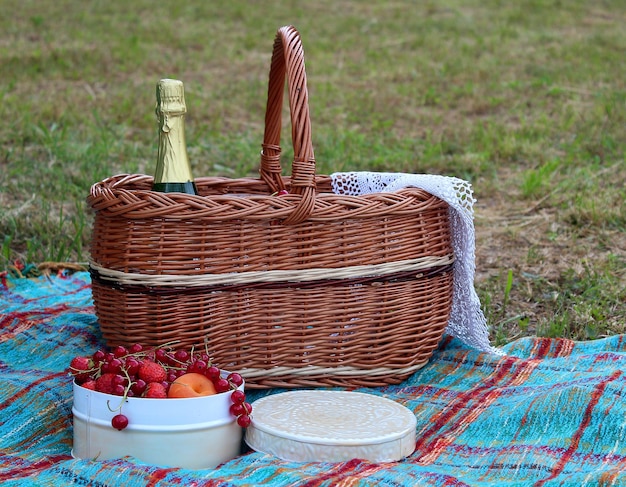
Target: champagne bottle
[(173, 171)]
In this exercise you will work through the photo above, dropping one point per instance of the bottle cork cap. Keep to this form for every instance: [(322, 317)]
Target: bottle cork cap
[(170, 96)]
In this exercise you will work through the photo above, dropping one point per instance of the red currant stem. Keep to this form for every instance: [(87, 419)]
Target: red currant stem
[(130, 383), (119, 408), (124, 397), (172, 367), (167, 344), (74, 372)]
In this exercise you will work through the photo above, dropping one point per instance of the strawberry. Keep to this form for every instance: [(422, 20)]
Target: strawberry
[(150, 371), (155, 390), (80, 367), (90, 384), (106, 383), (80, 364)]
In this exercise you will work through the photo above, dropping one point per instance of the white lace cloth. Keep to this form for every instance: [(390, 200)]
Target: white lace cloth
[(467, 321)]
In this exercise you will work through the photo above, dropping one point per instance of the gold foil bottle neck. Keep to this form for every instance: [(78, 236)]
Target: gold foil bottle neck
[(170, 97), (173, 171)]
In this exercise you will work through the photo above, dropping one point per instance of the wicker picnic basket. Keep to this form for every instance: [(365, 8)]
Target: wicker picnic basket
[(304, 289)]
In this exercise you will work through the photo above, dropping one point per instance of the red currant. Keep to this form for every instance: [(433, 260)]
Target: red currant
[(120, 351), (119, 422), (181, 355), (98, 356), (222, 385), (160, 355), (132, 366), (244, 421), (238, 397), (138, 387), (237, 409), (235, 379), (198, 366), (115, 366), (213, 373)]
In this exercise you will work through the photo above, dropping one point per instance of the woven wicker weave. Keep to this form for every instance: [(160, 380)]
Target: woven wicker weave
[(308, 288)]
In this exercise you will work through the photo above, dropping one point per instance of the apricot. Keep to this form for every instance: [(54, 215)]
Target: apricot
[(191, 385)]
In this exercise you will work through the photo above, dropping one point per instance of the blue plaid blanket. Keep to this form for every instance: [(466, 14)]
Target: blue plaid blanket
[(550, 412)]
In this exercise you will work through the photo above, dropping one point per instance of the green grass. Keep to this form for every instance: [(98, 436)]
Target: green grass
[(527, 100)]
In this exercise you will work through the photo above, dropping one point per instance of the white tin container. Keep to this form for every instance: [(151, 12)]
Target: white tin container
[(190, 433), (331, 426)]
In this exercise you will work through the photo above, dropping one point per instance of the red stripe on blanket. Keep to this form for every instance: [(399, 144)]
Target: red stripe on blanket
[(446, 415), (158, 475), (30, 386), (483, 396), (16, 322), (21, 470), (595, 397), (334, 472)]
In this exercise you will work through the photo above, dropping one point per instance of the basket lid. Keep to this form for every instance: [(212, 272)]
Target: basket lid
[(333, 426)]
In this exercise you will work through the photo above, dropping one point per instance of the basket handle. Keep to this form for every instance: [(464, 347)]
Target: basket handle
[(288, 58)]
